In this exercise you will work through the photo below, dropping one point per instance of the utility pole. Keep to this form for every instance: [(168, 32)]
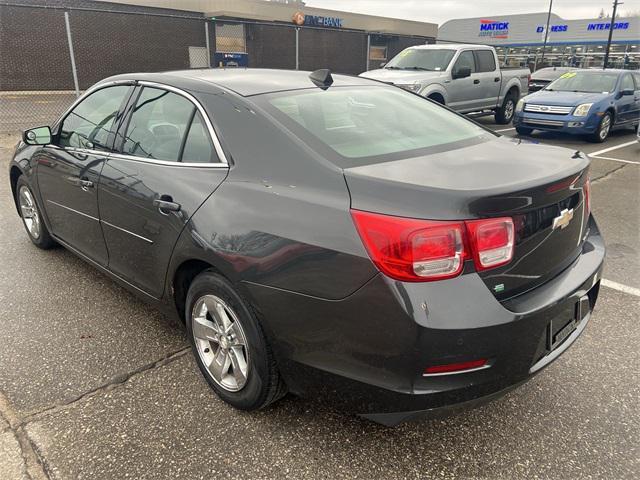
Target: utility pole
[(613, 19), (546, 33)]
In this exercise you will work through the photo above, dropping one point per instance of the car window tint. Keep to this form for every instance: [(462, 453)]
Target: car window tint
[(198, 146), (627, 82), (89, 123), (486, 61), (636, 77), (157, 125), (466, 60)]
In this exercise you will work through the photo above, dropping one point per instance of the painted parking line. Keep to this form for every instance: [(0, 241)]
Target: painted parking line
[(610, 149), (615, 160), (505, 129), (620, 287)]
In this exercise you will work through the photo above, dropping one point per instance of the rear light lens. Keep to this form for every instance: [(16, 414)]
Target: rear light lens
[(459, 367), (587, 197), (414, 250), (493, 241)]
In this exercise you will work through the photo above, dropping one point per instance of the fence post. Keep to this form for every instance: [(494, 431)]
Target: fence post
[(297, 48), (73, 59), (368, 48), (206, 36)]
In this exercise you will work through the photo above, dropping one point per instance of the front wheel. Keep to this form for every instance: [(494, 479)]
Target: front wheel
[(504, 114), (603, 130), (32, 217), (229, 344)]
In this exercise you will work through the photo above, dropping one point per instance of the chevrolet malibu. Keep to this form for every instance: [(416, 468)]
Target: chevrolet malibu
[(330, 236), (583, 102)]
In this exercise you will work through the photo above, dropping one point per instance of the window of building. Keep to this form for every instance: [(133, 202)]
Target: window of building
[(230, 38), (378, 52)]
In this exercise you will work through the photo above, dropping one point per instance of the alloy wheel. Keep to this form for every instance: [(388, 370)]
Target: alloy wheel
[(29, 212), (220, 342), (508, 110), (605, 126)]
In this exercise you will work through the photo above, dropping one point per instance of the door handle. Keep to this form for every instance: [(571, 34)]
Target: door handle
[(476, 81), (85, 184), (496, 79), (166, 204)]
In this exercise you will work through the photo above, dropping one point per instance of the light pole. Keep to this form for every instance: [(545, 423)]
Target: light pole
[(546, 33), (613, 19)]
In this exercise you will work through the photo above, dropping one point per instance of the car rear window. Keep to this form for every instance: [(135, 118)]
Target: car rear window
[(365, 124)]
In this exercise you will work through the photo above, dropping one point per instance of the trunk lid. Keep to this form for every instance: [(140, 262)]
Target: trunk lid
[(532, 183)]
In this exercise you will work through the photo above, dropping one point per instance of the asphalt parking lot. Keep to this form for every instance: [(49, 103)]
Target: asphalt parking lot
[(94, 384)]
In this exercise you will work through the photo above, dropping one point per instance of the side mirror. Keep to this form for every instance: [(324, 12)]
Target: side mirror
[(37, 136), (627, 91), (461, 72), (382, 64)]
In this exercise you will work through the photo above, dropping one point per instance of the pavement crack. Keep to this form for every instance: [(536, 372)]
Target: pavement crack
[(608, 174), (113, 383)]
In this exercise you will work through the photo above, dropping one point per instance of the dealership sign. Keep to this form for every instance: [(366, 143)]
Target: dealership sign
[(553, 28), (300, 18), (493, 29), (607, 26)]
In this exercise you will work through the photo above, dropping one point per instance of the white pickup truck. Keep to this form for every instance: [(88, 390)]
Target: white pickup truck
[(466, 78)]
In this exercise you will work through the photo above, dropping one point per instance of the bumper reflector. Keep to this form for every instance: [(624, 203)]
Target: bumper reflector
[(460, 367)]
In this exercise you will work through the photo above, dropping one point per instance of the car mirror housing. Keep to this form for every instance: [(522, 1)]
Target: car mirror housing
[(461, 72), (627, 91), (37, 136)]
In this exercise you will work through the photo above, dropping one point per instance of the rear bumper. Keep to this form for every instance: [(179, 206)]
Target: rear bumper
[(367, 353), (557, 123)]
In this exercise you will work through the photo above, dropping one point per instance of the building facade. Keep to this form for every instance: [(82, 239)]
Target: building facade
[(519, 39)]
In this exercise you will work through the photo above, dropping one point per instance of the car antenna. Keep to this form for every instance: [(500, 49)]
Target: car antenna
[(321, 78)]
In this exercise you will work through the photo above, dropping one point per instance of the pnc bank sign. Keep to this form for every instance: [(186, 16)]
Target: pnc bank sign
[(493, 29), (300, 18)]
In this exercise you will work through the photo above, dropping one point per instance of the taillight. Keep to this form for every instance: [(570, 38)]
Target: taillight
[(587, 197), (492, 241), (415, 250)]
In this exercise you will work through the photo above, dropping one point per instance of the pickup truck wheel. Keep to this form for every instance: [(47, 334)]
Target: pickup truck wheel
[(601, 134), (524, 130), (505, 113)]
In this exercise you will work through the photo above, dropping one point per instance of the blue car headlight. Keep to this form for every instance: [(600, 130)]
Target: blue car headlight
[(582, 110)]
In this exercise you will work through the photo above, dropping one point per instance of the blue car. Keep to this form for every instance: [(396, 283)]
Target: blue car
[(583, 102)]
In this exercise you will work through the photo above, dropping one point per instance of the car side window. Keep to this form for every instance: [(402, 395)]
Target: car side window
[(198, 147), (627, 82), (158, 125), (485, 60), (465, 60), (636, 77), (89, 123)]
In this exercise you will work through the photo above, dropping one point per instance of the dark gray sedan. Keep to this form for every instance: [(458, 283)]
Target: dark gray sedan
[(331, 236)]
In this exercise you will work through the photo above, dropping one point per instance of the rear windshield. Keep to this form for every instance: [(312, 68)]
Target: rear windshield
[(371, 124), (589, 82)]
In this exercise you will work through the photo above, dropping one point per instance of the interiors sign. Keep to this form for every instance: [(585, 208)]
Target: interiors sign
[(493, 29), (300, 18)]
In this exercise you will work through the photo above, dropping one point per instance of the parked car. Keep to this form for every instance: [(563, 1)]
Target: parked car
[(330, 236), (543, 77), (466, 78), (583, 102)]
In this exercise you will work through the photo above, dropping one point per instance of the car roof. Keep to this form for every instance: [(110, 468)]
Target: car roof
[(243, 81), (450, 46)]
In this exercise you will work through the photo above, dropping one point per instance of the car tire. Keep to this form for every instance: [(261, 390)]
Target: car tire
[(603, 130), (229, 344), (504, 114), (524, 130), (32, 216)]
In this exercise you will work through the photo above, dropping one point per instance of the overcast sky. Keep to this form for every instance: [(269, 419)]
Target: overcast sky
[(439, 11)]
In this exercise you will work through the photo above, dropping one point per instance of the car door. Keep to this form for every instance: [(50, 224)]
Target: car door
[(68, 170), (626, 104), (168, 161), (463, 94), (488, 74)]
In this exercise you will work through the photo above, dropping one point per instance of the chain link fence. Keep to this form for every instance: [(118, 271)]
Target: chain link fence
[(50, 52)]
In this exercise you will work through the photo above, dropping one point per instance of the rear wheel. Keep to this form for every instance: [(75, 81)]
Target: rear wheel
[(505, 113), (524, 130), (603, 130), (230, 347), (32, 217)]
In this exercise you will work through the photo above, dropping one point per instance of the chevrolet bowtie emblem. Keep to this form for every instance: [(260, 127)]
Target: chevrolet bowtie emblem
[(562, 220)]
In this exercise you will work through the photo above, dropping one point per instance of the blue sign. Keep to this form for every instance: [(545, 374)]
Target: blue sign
[(491, 28), (607, 26), (553, 28), (223, 59), (319, 21)]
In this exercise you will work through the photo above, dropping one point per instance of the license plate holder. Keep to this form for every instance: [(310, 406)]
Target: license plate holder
[(582, 309)]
